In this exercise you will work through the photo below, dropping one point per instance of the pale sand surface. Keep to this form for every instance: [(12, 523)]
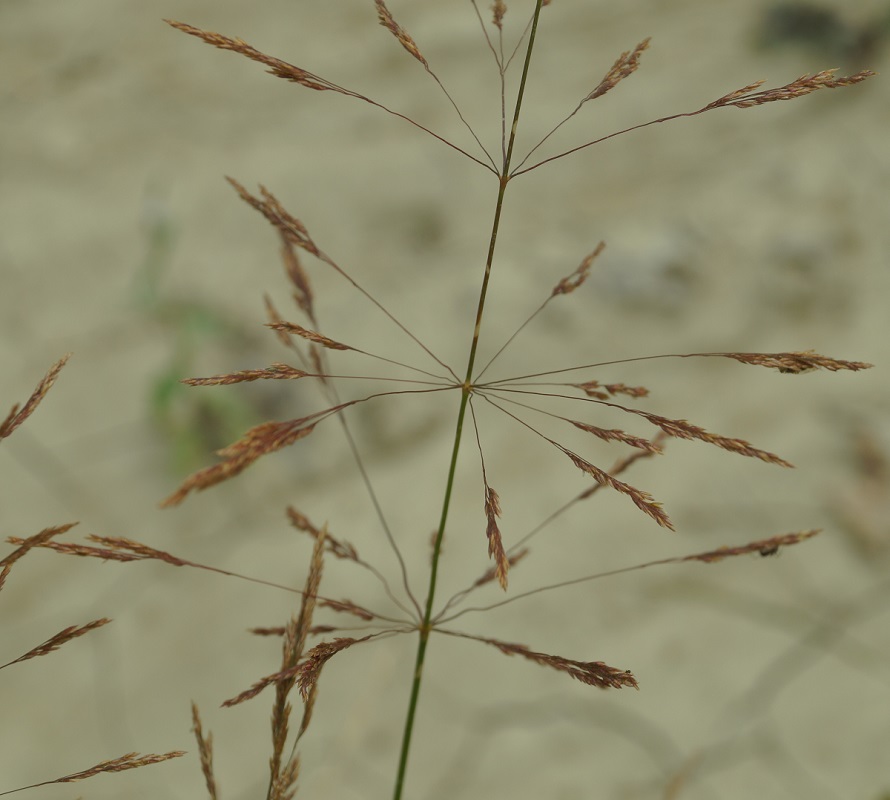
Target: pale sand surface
[(760, 230)]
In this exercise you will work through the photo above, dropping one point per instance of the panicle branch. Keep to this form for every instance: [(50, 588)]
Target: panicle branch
[(746, 97)]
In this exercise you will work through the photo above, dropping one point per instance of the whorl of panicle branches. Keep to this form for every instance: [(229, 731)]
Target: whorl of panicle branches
[(521, 399)]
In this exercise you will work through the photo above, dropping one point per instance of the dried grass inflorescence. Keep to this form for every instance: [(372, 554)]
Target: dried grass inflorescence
[(520, 398)]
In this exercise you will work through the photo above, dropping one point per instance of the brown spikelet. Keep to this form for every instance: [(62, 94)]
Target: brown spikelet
[(318, 656), (121, 764), (284, 787), (277, 630), (205, 750), (113, 549), (763, 547), (295, 635), (276, 372), (492, 572), (642, 500), (603, 391), (387, 21), (62, 637), (347, 607), (274, 317), (336, 547), (748, 96), (262, 683), (681, 429), (626, 64), (615, 435), (277, 67), (591, 673), (794, 363), (571, 282), (24, 545), (493, 532), (498, 9), (302, 293), (258, 441), (18, 415), (625, 463), (288, 226), (312, 336)]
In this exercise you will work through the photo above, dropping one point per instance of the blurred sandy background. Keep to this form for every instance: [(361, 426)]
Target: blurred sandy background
[(757, 230)]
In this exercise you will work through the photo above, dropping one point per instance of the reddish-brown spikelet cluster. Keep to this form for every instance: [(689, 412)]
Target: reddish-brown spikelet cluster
[(336, 547), (258, 441), (493, 532), (747, 96), (761, 546), (387, 21), (347, 607), (316, 658), (592, 673), (24, 545), (616, 435), (62, 637), (492, 572), (794, 363), (603, 391), (498, 9), (642, 500), (302, 289), (681, 429), (18, 415), (305, 333), (625, 65), (276, 372), (113, 548), (277, 67), (205, 751), (288, 226), (571, 282), (121, 764)]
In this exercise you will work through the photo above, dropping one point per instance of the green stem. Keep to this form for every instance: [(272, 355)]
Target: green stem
[(425, 627)]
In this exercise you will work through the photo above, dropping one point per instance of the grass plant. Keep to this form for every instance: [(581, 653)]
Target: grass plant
[(561, 408)]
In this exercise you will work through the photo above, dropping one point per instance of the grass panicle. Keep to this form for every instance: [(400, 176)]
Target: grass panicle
[(522, 400), (514, 397)]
